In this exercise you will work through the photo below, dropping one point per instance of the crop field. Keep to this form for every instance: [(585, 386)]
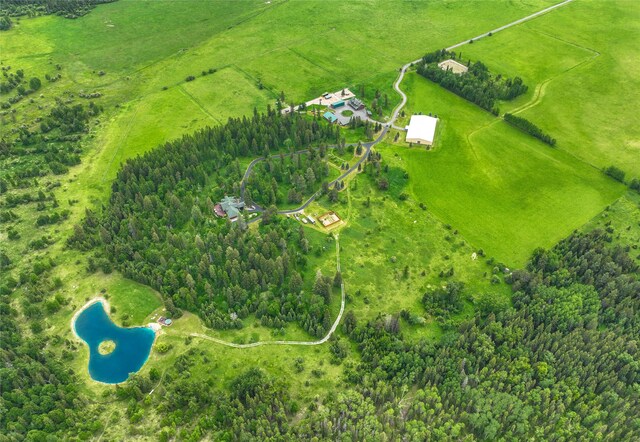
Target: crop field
[(506, 192), (585, 76)]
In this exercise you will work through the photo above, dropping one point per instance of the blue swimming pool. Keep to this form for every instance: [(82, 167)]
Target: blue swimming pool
[(132, 345)]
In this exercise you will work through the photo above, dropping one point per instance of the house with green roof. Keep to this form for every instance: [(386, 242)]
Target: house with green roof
[(231, 206), (330, 117)]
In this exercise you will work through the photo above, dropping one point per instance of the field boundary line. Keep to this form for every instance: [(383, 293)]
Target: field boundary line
[(403, 69), (197, 103)]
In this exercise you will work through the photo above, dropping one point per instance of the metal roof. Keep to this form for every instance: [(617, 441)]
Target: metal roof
[(421, 127), (331, 117)]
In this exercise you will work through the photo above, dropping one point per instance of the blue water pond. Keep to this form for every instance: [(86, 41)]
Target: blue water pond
[(132, 345)]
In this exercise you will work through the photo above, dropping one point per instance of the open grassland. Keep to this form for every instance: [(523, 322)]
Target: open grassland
[(505, 191), (144, 46), (582, 72), (384, 235)]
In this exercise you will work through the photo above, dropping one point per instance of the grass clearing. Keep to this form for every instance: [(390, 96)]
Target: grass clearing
[(585, 73), (353, 44), (382, 239), (622, 221), (505, 191)]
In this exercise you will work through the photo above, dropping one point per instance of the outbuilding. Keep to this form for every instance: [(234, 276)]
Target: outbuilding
[(356, 104), (330, 117), (453, 66), (421, 129)]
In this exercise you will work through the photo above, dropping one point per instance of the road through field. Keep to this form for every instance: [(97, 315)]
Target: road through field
[(367, 146), (404, 68)]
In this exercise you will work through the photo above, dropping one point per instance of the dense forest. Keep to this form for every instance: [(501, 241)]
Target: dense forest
[(32, 8), (159, 228), (476, 85), (40, 397), (287, 178), (530, 128), (562, 364)]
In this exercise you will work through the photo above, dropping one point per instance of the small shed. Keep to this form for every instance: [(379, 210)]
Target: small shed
[(453, 66)]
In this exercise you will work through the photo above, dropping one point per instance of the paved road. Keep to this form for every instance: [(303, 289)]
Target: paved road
[(318, 342)]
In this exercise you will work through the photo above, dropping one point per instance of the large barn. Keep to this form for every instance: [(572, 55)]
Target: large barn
[(421, 129)]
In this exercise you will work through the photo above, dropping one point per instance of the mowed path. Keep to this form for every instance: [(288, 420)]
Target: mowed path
[(368, 146)]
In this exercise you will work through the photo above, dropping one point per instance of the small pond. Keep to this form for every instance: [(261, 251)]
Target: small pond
[(114, 352)]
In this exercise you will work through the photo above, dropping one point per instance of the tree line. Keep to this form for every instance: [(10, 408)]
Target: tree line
[(561, 363), (527, 126), (33, 8), (159, 228), (477, 85)]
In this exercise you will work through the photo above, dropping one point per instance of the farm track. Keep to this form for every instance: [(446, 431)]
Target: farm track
[(367, 146)]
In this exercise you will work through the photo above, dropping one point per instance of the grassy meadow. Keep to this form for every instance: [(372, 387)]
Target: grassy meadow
[(584, 70), (498, 188), (505, 191)]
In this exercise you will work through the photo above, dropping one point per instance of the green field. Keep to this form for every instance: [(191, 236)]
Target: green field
[(239, 40), (383, 238), (586, 88), (485, 185), (506, 192)]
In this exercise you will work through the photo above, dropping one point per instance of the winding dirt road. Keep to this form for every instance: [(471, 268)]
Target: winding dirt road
[(367, 146)]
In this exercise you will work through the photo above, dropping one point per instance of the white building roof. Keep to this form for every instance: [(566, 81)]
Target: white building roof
[(422, 128)]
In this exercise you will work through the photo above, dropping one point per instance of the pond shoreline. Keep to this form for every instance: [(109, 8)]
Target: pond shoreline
[(105, 305), (154, 327)]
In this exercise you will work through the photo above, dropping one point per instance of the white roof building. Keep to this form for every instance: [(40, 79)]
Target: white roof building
[(421, 129)]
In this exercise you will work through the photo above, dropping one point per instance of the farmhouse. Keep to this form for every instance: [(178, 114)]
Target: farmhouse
[(453, 66), (330, 117), (230, 207), (421, 129)]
